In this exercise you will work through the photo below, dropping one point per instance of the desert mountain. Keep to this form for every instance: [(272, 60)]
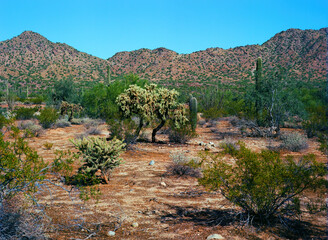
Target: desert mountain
[(31, 56), (302, 52)]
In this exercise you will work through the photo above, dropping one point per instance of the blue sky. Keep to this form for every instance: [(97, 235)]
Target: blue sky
[(102, 28)]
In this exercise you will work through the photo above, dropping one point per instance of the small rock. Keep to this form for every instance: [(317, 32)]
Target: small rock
[(152, 162), (135, 224), (207, 148), (163, 184), (111, 233), (214, 236)]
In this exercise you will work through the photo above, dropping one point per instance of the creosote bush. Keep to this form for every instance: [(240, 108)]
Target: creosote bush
[(263, 184), (48, 116), (24, 113), (294, 142), (99, 154)]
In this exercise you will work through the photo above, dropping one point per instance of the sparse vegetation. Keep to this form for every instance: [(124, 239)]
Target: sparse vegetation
[(265, 186)]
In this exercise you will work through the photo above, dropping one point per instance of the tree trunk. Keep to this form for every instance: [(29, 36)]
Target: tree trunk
[(70, 116), (155, 130), (141, 123)]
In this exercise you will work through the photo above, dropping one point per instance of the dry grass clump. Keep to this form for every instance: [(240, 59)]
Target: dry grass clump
[(89, 123), (32, 129), (180, 167), (62, 123), (293, 142)]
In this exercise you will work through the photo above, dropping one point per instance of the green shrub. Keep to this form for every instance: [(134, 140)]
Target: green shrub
[(323, 140), (294, 142), (37, 100), (263, 184), (98, 154), (23, 113), (21, 167), (48, 116), (123, 130)]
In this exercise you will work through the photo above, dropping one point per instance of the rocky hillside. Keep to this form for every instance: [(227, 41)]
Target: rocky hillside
[(30, 56), (302, 52)]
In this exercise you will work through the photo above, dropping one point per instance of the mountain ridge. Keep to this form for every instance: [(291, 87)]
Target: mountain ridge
[(32, 57)]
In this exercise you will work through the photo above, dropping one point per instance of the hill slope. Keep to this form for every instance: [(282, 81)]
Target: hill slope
[(32, 57), (301, 52)]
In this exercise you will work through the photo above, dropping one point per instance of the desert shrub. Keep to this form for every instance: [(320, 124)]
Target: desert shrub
[(48, 116), (123, 130), (23, 113), (21, 171), (89, 123), (80, 136), (263, 184), (181, 135), (294, 142), (79, 121), (48, 145), (3, 121), (93, 131), (323, 140), (31, 128), (21, 167), (180, 166), (34, 131), (18, 222), (37, 100), (62, 123), (229, 143), (99, 154)]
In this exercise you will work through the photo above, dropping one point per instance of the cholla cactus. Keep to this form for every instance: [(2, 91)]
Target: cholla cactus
[(70, 109), (152, 104), (99, 154)]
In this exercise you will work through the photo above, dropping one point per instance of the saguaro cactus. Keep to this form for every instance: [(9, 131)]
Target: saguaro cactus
[(193, 112)]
